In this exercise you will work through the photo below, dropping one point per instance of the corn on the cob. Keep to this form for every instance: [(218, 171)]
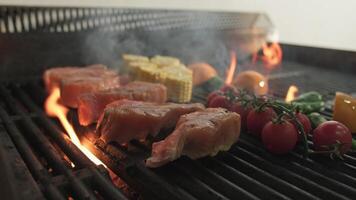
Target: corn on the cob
[(131, 59), (164, 61), (168, 71)]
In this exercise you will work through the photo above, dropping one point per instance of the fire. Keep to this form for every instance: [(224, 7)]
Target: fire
[(54, 109), (272, 55), (291, 94), (231, 70)]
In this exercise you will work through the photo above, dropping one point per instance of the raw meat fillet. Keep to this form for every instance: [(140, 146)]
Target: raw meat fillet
[(125, 120), (91, 105), (197, 135), (52, 77)]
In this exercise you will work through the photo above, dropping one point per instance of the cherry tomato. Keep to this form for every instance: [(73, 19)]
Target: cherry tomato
[(331, 132), (257, 120), (304, 120), (226, 88), (212, 95), (242, 111), (220, 101), (279, 138)]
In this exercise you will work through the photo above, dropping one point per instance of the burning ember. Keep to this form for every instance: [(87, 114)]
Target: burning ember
[(271, 55), (231, 70), (291, 94), (54, 109)]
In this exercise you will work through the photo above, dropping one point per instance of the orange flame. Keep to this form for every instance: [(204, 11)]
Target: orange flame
[(54, 109), (231, 70), (291, 94), (272, 55)]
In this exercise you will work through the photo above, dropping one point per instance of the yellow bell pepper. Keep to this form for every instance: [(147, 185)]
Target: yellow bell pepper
[(345, 110)]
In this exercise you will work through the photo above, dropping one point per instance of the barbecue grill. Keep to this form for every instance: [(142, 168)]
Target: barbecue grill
[(38, 161)]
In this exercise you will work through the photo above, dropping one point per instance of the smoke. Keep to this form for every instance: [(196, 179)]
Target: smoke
[(190, 36), (192, 46)]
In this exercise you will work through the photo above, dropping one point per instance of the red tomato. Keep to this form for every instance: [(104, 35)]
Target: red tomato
[(220, 101), (212, 95), (329, 132), (243, 112), (257, 120), (279, 138), (226, 88), (304, 120)]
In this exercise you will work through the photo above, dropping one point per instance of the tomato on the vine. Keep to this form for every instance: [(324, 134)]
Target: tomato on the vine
[(304, 120), (226, 88), (279, 138), (220, 101), (242, 111), (212, 95), (257, 119), (331, 133)]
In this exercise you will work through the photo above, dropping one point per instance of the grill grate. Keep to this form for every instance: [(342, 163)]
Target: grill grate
[(56, 178), (247, 171)]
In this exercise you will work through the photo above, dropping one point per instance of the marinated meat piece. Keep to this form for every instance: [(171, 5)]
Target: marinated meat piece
[(125, 120), (71, 88), (197, 135), (52, 77), (91, 105)]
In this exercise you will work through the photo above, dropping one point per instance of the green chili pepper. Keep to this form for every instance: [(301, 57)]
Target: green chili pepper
[(353, 147), (201, 91), (316, 119), (308, 107), (309, 97)]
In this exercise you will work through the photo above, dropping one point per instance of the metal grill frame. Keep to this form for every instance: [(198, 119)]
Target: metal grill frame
[(247, 171)]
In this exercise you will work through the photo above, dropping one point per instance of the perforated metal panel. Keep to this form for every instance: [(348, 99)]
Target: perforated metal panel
[(38, 19), (35, 38)]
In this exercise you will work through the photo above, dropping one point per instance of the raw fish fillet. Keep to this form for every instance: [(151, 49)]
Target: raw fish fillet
[(125, 120), (91, 105), (197, 135), (53, 76), (73, 87)]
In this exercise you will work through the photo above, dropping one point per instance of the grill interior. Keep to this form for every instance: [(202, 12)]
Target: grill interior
[(38, 158), (247, 171)]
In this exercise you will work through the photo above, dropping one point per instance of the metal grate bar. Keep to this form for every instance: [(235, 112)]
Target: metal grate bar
[(212, 179), (205, 178), (322, 175), (79, 189), (146, 177), (288, 175), (323, 166), (36, 168), (265, 177), (190, 183), (105, 187), (259, 189)]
